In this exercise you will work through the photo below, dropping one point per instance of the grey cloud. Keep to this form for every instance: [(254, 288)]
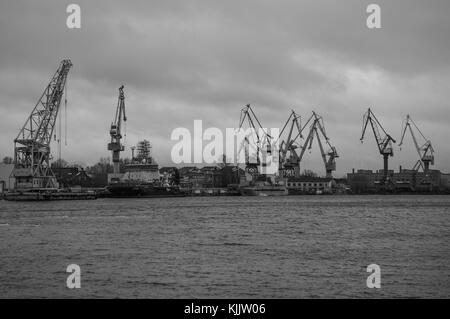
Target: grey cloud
[(186, 60)]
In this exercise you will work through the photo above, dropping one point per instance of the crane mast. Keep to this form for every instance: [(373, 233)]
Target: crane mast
[(115, 146), (384, 142), (317, 129), (425, 151), (32, 145)]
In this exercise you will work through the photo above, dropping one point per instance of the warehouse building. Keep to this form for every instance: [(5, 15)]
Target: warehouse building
[(6, 182), (405, 180)]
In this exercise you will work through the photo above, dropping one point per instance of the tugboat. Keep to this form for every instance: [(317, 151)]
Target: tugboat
[(141, 178)]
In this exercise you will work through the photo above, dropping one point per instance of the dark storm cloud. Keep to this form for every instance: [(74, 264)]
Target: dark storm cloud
[(186, 60)]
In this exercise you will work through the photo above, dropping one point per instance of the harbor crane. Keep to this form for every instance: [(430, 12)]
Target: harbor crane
[(317, 128), (425, 150), (384, 142), (262, 139), (32, 155), (289, 162), (115, 146)]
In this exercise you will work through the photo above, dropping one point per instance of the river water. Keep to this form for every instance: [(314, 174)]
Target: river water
[(227, 247)]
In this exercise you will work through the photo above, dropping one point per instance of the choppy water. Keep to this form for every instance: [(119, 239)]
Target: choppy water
[(241, 247)]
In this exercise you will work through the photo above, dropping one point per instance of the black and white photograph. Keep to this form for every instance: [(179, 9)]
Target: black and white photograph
[(205, 151)]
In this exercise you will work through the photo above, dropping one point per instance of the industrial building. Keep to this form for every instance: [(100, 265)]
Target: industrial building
[(310, 185), (210, 176), (72, 176), (6, 183), (405, 180)]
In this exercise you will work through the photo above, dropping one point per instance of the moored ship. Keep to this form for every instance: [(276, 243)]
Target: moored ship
[(142, 178), (264, 186), (275, 190), (142, 189)]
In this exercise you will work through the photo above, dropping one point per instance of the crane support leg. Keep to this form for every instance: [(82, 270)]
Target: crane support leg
[(385, 168)]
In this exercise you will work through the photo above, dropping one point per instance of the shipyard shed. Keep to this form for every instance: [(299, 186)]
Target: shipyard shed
[(6, 182), (310, 185), (405, 180)]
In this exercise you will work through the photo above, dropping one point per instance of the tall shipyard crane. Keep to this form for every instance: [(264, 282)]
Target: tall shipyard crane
[(32, 145), (425, 150), (289, 162), (262, 139), (115, 146), (317, 129), (384, 142)]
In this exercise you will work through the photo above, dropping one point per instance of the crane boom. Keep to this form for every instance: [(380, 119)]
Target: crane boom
[(247, 113), (384, 142), (425, 151), (290, 165), (32, 144), (329, 157), (115, 146)]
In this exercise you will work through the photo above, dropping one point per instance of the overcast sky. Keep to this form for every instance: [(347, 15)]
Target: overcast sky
[(186, 60)]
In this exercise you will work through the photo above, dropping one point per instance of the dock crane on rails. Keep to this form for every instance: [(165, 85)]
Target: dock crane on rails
[(32, 155), (425, 150), (263, 139), (317, 128), (384, 142), (115, 146), (289, 160)]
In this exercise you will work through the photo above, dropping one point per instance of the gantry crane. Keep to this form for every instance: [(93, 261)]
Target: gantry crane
[(384, 142), (289, 161), (32, 145), (425, 151), (262, 139), (115, 146), (317, 128)]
